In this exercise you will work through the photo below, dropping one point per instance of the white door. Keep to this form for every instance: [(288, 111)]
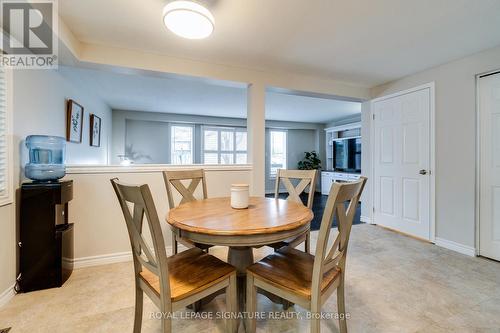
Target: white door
[(401, 162), (489, 207)]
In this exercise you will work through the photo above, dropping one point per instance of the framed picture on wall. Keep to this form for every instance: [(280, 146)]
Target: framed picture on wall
[(95, 131), (74, 121)]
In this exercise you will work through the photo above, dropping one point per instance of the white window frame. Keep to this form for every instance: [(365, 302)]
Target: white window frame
[(171, 130), (8, 197), (273, 175), (219, 151)]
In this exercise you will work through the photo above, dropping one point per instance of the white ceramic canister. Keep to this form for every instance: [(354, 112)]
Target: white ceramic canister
[(239, 196)]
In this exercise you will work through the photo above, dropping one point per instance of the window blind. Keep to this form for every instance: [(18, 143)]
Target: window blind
[(3, 138)]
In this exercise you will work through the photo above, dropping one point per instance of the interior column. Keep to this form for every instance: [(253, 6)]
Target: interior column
[(256, 126)]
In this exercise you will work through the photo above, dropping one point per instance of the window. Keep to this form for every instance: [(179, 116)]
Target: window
[(5, 137), (278, 151), (181, 144), (224, 145)]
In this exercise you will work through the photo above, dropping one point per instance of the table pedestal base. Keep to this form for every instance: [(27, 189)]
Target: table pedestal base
[(241, 258)]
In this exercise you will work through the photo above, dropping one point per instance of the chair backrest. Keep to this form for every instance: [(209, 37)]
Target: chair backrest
[(306, 177), (137, 201), (341, 195), (175, 178)]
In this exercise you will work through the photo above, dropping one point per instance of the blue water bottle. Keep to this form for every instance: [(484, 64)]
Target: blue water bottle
[(47, 157)]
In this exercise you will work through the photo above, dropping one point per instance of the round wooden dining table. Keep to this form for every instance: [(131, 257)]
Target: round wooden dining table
[(214, 222)]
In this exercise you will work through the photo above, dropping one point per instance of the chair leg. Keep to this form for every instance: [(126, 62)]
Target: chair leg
[(286, 304), (139, 296), (251, 308), (341, 306), (166, 321), (166, 325), (197, 306), (307, 243), (232, 305), (174, 244), (315, 315)]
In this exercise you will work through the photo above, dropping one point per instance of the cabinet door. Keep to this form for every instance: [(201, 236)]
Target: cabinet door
[(326, 183)]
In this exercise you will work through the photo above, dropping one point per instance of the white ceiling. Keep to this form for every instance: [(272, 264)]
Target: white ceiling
[(191, 96), (367, 42)]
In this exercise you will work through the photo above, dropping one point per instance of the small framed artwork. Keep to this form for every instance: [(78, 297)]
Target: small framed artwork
[(74, 121), (95, 131)]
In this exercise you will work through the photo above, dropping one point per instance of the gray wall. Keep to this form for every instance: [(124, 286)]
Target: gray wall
[(123, 117), (40, 108), (455, 139), (148, 140), (149, 133)]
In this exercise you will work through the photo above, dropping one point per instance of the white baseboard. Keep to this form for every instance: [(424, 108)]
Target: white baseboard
[(104, 259), (7, 295), (366, 219), (111, 258), (457, 247)]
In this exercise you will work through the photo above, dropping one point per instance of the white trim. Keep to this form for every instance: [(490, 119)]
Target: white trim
[(477, 203), (146, 168), (404, 92), (345, 127), (432, 161), (366, 219), (477, 188), (7, 295), (111, 258), (432, 129), (9, 88), (457, 247), (104, 259), (347, 138)]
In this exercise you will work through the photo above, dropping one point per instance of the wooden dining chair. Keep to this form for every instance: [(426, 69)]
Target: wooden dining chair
[(306, 178), (174, 179), (173, 282), (305, 279)]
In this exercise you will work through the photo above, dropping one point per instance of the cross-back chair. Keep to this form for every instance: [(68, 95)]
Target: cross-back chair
[(174, 180), (308, 280), (307, 178), (170, 282)]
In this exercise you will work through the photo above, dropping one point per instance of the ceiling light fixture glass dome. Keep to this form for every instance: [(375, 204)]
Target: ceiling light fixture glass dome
[(188, 19)]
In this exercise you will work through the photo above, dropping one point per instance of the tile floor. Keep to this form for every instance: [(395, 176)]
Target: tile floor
[(394, 284)]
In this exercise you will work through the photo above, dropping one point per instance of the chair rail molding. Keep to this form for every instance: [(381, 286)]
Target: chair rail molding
[(147, 168)]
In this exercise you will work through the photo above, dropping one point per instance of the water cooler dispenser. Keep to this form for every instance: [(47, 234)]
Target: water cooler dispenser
[(46, 236)]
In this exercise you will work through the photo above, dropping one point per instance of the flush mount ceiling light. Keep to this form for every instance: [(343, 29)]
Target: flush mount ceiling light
[(188, 19)]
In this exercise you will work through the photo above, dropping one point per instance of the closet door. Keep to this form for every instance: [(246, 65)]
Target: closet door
[(401, 162), (489, 143)]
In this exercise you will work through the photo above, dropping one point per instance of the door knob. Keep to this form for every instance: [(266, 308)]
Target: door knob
[(423, 172)]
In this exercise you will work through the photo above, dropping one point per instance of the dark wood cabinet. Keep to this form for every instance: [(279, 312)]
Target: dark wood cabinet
[(46, 236)]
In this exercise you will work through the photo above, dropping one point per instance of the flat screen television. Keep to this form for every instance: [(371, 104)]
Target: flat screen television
[(347, 155)]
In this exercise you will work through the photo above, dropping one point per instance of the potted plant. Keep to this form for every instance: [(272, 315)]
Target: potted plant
[(310, 162)]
